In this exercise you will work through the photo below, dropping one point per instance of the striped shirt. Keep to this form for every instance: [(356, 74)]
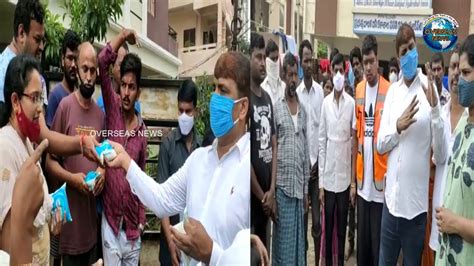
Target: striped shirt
[(292, 157)]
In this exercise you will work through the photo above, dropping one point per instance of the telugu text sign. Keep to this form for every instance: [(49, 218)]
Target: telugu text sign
[(386, 24), (393, 3)]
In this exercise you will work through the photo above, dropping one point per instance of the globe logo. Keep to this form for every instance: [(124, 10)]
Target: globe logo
[(440, 32)]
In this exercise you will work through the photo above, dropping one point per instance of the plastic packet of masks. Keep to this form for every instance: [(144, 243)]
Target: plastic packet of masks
[(60, 200), (185, 259), (91, 179), (105, 150)]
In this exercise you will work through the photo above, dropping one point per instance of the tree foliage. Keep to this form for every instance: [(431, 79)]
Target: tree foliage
[(54, 32), (90, 18), (322, 51), (205, 88)]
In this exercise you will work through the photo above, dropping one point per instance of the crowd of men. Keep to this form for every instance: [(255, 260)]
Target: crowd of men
[(395, 154), (391, 155), (108, 220)]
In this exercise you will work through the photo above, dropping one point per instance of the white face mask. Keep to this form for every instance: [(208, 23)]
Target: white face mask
[(338, 81), (273, 69), (186, 123), (393, 77)]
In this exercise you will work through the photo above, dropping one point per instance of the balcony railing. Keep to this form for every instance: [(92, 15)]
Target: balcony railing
[(198, 48)]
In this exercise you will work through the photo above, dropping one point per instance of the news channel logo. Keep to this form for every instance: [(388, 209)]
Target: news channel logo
[(440, 32)]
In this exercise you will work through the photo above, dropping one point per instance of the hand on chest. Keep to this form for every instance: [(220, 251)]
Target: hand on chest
[(422, 116)]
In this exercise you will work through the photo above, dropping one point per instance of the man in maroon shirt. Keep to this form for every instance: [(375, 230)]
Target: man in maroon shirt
[(124, 216)]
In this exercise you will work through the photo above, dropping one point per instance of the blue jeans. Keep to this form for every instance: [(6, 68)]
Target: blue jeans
[(399, 233)]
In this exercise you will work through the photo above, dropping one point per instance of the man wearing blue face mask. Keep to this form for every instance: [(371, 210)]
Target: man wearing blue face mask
[(410, 128), (214, 182)]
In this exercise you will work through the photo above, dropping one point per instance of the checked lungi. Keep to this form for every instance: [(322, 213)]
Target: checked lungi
[(288, 233)]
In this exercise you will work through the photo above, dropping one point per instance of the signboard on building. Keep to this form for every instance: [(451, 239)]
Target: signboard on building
[(386, 24), (393, 3)]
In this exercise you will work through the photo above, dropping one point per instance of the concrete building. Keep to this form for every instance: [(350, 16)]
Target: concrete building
[(203, 33), (344, 23), (295, 18), (159, 51), (292, 17)]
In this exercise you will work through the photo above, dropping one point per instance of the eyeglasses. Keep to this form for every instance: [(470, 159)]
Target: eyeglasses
[(36, 99)]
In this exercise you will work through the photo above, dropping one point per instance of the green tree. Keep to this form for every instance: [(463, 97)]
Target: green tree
[(243, 45), (90, 18), (322, 50), (205, 88), (54, 34)]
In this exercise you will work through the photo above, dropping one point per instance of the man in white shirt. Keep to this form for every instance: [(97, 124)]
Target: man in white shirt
[(272, 83), (411, 125), (311, 97), (214, 182), (335, 132)]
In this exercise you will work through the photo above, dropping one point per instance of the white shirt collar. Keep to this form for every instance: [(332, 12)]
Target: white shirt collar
[(343, 95), (419, 73), (302, 86), (242, 146)]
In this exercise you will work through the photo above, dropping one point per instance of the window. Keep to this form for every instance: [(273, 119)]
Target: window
[(151, 7), (207, 37), (282, 16), (189, 37)]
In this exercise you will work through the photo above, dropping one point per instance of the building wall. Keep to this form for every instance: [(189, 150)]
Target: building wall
[(158, 25), (136, 16), (325, 21), (179, 3), (274, 10), (204, 3), (309, 18), (344, 18), (458, 11), (183, 20), (289, 16)]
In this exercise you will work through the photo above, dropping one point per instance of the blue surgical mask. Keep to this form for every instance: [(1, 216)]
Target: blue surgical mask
[(408, 63), (465, 92), (220, 109)]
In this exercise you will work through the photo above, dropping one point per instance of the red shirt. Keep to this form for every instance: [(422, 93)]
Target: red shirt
[(119, 201)]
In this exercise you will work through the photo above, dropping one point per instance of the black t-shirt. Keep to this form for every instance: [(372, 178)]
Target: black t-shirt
[(262, 128)]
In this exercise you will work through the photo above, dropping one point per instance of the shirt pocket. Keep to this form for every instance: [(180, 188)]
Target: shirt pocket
[(344, 127)]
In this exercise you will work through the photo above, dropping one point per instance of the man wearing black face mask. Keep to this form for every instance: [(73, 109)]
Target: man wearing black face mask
[(293, 171), (69, 52), (78, 114)]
